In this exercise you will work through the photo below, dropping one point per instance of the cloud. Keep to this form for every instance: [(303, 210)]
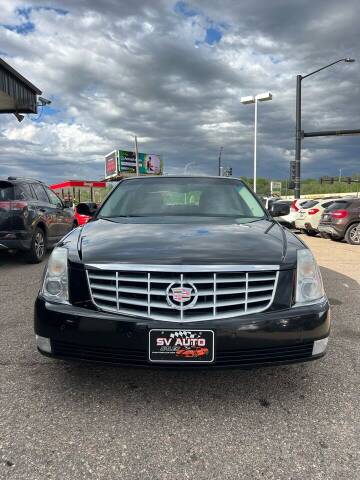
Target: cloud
[(114, 69)]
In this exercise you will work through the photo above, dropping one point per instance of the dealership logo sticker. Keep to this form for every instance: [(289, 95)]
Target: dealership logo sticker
[(166, 345)]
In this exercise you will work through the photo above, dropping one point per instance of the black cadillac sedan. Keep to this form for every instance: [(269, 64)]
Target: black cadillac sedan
[(182, 271)]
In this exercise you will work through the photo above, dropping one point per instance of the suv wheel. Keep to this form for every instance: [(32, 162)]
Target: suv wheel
[(37, 250), (352, 234)]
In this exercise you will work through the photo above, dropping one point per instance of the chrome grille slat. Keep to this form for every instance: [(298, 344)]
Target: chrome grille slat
[(220, 294), (109, 288), (108, 298)]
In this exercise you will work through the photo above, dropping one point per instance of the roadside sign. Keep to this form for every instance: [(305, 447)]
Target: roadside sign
[(149, 164), (275, 188), (111, 164)]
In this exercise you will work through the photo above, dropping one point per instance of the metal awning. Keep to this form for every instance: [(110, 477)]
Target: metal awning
[(17, 95)]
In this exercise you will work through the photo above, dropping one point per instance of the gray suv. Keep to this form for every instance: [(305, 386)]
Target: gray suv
[(32, 217)]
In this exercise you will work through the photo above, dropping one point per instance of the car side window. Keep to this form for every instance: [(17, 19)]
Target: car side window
[(40, 192), (22, 192), (54, 199)]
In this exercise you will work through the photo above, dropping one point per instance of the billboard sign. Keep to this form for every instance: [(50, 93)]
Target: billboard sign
[(149, 164), (111, 164)]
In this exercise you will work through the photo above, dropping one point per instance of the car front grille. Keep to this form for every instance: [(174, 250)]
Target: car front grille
[(217, 292)]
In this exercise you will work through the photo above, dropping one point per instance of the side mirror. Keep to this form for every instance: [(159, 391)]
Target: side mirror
[(67, 203), (279, 209), (84, 209)]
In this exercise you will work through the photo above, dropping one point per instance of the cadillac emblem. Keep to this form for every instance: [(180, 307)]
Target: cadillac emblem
[(181, 297)]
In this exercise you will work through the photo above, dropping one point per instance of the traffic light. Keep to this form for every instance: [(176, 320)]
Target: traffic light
[(227, 172), (292, 170)]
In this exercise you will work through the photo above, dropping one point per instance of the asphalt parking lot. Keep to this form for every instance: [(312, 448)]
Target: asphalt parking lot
[(80, 421)]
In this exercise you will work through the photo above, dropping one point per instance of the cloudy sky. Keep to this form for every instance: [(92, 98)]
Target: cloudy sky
[(173, 72)]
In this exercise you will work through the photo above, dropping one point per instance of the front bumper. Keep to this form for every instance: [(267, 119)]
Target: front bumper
[(280, 337)]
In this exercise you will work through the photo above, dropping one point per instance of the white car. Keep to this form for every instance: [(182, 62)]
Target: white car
[(309, 216), (295, 207)]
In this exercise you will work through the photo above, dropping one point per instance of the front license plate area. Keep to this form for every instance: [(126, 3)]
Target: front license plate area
[(181, 346)]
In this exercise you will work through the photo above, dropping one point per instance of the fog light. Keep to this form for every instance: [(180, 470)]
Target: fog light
[(320, 346), (53, 287), (43, 344)]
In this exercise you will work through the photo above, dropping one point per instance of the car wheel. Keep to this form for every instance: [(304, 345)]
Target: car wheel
[(324, 235), (352, 234), (37, 250)]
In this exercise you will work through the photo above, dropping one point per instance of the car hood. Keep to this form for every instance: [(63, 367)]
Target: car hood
[(258, 243)]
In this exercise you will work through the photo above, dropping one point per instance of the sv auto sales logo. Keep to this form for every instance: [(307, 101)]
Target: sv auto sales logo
[(183, 344)]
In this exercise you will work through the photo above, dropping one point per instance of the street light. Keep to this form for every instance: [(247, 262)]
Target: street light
[(261, 97), (187, 166), (298, 137)]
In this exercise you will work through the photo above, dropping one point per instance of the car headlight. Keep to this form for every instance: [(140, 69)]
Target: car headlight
[(56, 283), (309, 285)]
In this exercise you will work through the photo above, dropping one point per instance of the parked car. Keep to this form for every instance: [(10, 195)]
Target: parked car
[(309, 215), (81, 219), (289, 219), (32, 217), (285, 219), (342, 220), (168, 262)]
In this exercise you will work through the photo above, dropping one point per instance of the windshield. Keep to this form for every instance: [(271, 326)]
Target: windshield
[(309, 204), (182, 197)]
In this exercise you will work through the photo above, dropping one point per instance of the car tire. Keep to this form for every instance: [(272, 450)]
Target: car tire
[(352, 235), (325, 235), (37, 250), (335, 239)]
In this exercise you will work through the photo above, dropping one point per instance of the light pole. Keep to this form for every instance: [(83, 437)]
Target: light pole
[(187, 166), (221, 149), (298, 133), (261, 97)]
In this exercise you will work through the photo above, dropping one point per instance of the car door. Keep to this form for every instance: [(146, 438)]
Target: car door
[(46, 211), (64, 215)]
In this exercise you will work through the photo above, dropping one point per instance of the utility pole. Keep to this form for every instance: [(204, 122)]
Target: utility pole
[(221, 149), (136, 156), (298, 137)]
